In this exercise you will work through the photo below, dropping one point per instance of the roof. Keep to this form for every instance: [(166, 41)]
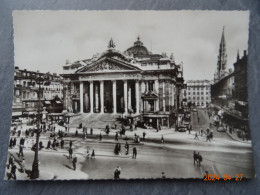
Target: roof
[(138, 48)]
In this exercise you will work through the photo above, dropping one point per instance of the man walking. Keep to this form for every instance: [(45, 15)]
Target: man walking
[(62, 144), (74, 161), (10, 161), (20, 151), (116, 137), (196, 136), (70, 143), (134, 153), (100, 137), (195, 157), (126, 148), (208, 138), (70, 153), (13, 171)]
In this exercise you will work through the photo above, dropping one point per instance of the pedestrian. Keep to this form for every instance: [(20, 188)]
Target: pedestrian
[(10, 161), (117, 172), (48, 144), (134, 153), (116, 149), (119, 148), (40, 145), (163, 175), (198, 119), (88, 153), (93, 153), (91, 131), (196, 135), (19, 133), (70, 153), (54, 144), (144, 134), (195, 157), (62, 143), (13, 171), (74, 161), (208, 138), (11, 143), (162, 139), (199, 158), (70, 143), (100, 137), (126, 148), (116, 137), (76, 133), (20, 151), (201, 131)]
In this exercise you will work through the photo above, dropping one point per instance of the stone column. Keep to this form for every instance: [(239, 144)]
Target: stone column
[(137, 96), (125, 96), (101, 96), (114, 97), (173, 95), (96, 98), (163, 86), (156, 85), (91, 96), (130, 98), (81, 96)]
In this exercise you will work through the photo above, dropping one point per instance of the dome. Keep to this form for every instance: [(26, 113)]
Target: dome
[(138, 48)]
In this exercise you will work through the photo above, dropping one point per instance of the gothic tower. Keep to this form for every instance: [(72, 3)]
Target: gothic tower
[(222, 58)]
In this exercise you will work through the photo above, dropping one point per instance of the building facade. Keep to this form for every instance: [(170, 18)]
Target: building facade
[(25, 92), (198, 92), (134, 82)]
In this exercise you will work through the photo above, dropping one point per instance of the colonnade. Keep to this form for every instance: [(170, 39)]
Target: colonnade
[(100, 96)]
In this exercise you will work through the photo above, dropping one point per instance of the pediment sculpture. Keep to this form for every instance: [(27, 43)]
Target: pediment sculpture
[(106, 66)]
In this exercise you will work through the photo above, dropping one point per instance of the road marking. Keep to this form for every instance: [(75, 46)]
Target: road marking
[(214, 170)]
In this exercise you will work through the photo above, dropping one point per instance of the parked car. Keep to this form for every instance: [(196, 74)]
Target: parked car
[(182, 129), (221, 129)]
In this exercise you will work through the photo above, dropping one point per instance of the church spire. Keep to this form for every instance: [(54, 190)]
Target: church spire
[(222, 56)]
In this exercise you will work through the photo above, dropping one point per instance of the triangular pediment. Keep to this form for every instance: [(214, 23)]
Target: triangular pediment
[(107, 65)]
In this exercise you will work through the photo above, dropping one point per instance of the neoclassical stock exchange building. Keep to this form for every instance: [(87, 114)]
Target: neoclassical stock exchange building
[(133, 84)]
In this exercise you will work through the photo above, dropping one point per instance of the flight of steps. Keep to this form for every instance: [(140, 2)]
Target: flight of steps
[(95, 120)]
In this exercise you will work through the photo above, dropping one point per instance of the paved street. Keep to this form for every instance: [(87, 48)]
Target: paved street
[(222, 155)]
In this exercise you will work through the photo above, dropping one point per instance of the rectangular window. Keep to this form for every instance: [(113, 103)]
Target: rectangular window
[(193, 93), (207, 93), (201, 93), (188, 93), (198, 93), (198, 98), (194, 98), (202, 98), (17, 92)]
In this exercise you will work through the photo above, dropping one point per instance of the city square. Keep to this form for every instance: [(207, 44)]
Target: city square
[(133, 113)]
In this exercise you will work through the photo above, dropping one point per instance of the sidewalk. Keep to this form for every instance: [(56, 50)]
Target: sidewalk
[(236, 138)]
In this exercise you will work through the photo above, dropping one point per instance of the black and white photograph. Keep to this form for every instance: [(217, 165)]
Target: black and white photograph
[(124, 94)]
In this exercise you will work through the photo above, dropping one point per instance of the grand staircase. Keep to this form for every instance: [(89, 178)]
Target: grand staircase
[(94, 120)]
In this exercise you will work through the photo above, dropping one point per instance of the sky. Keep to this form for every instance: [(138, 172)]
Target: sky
[(44, 40)]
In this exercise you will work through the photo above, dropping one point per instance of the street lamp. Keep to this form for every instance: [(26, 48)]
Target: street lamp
[(40, 80)]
